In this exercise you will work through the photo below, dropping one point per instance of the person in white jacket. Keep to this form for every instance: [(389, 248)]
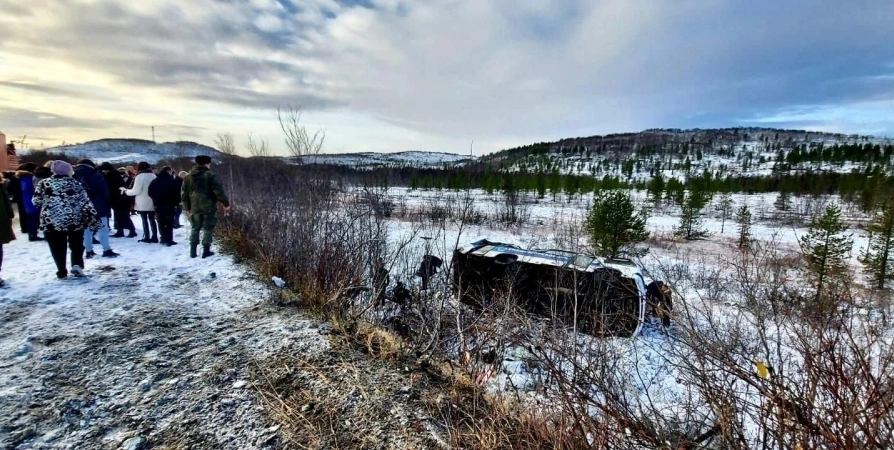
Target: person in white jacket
[(144, 205)]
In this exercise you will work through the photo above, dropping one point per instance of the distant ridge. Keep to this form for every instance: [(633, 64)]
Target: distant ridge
[(131, 150), (413, 158)]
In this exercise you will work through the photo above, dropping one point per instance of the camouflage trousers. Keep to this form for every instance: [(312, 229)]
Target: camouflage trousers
[(204, 223)]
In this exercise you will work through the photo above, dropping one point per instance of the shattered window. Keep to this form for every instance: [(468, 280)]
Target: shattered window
[(581, 261)]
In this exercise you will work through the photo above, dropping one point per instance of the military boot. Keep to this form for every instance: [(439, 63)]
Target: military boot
[(193, 250), (206, 251)]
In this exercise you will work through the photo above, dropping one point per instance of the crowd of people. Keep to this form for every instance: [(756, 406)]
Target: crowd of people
[(74, 207)]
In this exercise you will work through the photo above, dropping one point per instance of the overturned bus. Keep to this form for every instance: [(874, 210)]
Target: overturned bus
[(607, 297)]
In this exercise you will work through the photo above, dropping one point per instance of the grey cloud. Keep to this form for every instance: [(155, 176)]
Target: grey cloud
[(25, 119), (171, 50), (42, 88)]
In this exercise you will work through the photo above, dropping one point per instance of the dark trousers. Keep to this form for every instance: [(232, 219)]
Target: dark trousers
[(165, 222), (1, 256), (178, 210), (58, 241), (23, 217), (33, 223), (149, 223), (122, 218)]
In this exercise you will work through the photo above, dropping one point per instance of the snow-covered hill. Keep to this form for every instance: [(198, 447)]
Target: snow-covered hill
[(132, 150), (684, 153), (419, 159)]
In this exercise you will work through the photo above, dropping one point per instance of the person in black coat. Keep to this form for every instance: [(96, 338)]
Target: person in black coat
[(178, 210), (120, 203), (42, 173), (165, 195), (14, 189), (98, 191)]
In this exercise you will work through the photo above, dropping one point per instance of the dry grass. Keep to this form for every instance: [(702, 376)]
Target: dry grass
[(342, 399)]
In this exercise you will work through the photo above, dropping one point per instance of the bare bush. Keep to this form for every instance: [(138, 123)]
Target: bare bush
[(299, 141), (257, 148)]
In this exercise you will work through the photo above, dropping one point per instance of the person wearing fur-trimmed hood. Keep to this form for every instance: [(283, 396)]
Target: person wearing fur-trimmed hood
[(27, 182)]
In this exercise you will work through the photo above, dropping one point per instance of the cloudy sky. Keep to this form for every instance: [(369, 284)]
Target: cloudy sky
[(389, 75)]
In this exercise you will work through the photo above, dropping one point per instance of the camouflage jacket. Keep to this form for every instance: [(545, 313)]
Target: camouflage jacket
[(201, 192)]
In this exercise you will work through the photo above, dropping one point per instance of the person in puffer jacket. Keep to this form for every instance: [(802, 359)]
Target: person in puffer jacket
[(98, 191), (165, 192), (65, 212), (143, 202), (27, 181)]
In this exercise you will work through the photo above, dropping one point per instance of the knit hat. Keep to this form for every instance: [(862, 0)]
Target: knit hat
[(61, 167)]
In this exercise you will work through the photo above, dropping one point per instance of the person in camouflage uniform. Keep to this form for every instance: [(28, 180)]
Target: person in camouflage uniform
[(201, 192)]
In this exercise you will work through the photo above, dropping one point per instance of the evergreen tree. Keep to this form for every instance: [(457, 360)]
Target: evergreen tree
[(541, 185), (691, 213), (783, 202), (825, 248), (725, 208), (783, 205), (555, 183), (614, 225), (743, 219), (877, 258), (656, 187), (572, 185)]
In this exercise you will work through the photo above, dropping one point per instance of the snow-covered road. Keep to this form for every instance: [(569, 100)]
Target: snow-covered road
[(150, 349)]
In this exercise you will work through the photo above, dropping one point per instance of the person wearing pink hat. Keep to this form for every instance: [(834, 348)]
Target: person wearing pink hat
[(66, 211)]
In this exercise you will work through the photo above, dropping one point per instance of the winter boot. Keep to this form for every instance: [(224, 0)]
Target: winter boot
[(193, 251), (132, 234), (110, 254), (154, 240), (33, 237), (118, 234), (90, 254), (77, 271), (206, 251)]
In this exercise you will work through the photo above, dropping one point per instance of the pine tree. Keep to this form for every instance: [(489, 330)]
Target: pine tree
[(656, 187), (743, 219), (614, 225), (541, 185), (783, 205), (725, 208), (825, 248), (555, 183), (691, 213), (877, 258)]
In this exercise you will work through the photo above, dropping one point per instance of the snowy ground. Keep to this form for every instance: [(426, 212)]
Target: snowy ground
[(150, 349)]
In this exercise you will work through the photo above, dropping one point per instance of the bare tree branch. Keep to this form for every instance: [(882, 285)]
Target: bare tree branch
[(298, 140)]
